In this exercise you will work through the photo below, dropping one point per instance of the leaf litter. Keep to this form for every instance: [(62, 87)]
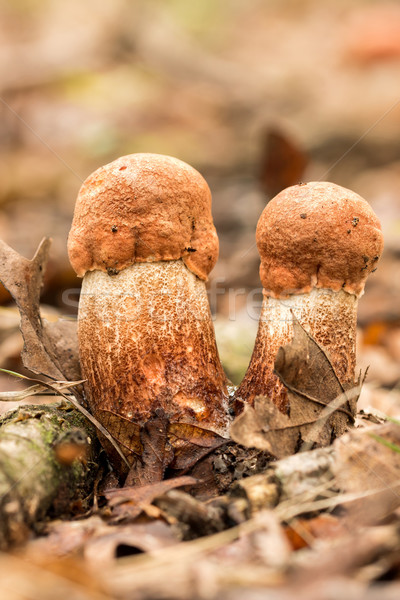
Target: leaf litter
[(305, 519)]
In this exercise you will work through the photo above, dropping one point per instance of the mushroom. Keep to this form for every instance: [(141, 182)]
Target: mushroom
[(144, 242), (318, 242)]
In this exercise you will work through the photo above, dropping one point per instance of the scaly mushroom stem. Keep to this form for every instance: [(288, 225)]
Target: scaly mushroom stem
[(151, 325), (330, 318)]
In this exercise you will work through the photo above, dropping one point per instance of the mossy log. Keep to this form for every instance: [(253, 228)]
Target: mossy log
[(47, 466)]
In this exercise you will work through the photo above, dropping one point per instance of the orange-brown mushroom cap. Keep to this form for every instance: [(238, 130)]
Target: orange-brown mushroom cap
[(320, 235), (143, 208)]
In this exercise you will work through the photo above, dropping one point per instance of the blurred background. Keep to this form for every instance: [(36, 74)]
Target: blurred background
[(256, 94)]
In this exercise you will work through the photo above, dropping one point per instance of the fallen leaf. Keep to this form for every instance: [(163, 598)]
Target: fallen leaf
[(368, 464), (62, 343), (62, 538), (23, 279), (266, 428), (283, 162), (127, 435), (156, 451), (302, 533), (102, 551), (319, 408), (129, 502), (178, 446), (306, 371), (190, 444)]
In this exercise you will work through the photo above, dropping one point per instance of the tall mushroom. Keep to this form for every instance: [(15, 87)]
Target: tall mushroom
[(144, 242), (318, 242)]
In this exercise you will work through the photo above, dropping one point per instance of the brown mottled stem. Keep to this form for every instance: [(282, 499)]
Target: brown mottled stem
[(147, 341), (318, 242)]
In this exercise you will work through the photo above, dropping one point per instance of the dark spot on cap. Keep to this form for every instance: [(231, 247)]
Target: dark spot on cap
[(190, 249), (111, 271), (349, 231), (355, 221), (114, 228), (365, 259), (303, 216)]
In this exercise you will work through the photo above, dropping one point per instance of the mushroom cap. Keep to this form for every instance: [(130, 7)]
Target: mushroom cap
[(320, 235), (143, 208)]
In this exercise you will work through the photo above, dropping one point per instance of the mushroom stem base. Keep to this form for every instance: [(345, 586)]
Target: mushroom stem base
[(147, 343)]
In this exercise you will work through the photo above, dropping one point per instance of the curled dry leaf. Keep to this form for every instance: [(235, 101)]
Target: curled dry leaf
[(129, 502), (320, 409), (50, 349)]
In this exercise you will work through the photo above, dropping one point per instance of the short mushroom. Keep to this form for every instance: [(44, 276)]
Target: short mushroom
[(144, 242), (318, 242)]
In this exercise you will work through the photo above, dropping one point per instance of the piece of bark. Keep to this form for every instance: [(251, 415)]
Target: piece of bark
[(361, 468), (36, 475), (192, 517), (284, 479)]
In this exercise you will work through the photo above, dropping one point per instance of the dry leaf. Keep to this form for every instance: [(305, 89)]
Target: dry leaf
[(283, 162), (266, 428), (312, 383), (56, 357), (102, 551), (156, 451), (319, 407), (62, 343), (158, 444), (302, 533), (368, 464), (129, 502), (190, 444)]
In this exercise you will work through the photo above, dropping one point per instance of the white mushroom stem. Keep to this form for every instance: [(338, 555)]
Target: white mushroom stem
[(330, 317), (147, 342)]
